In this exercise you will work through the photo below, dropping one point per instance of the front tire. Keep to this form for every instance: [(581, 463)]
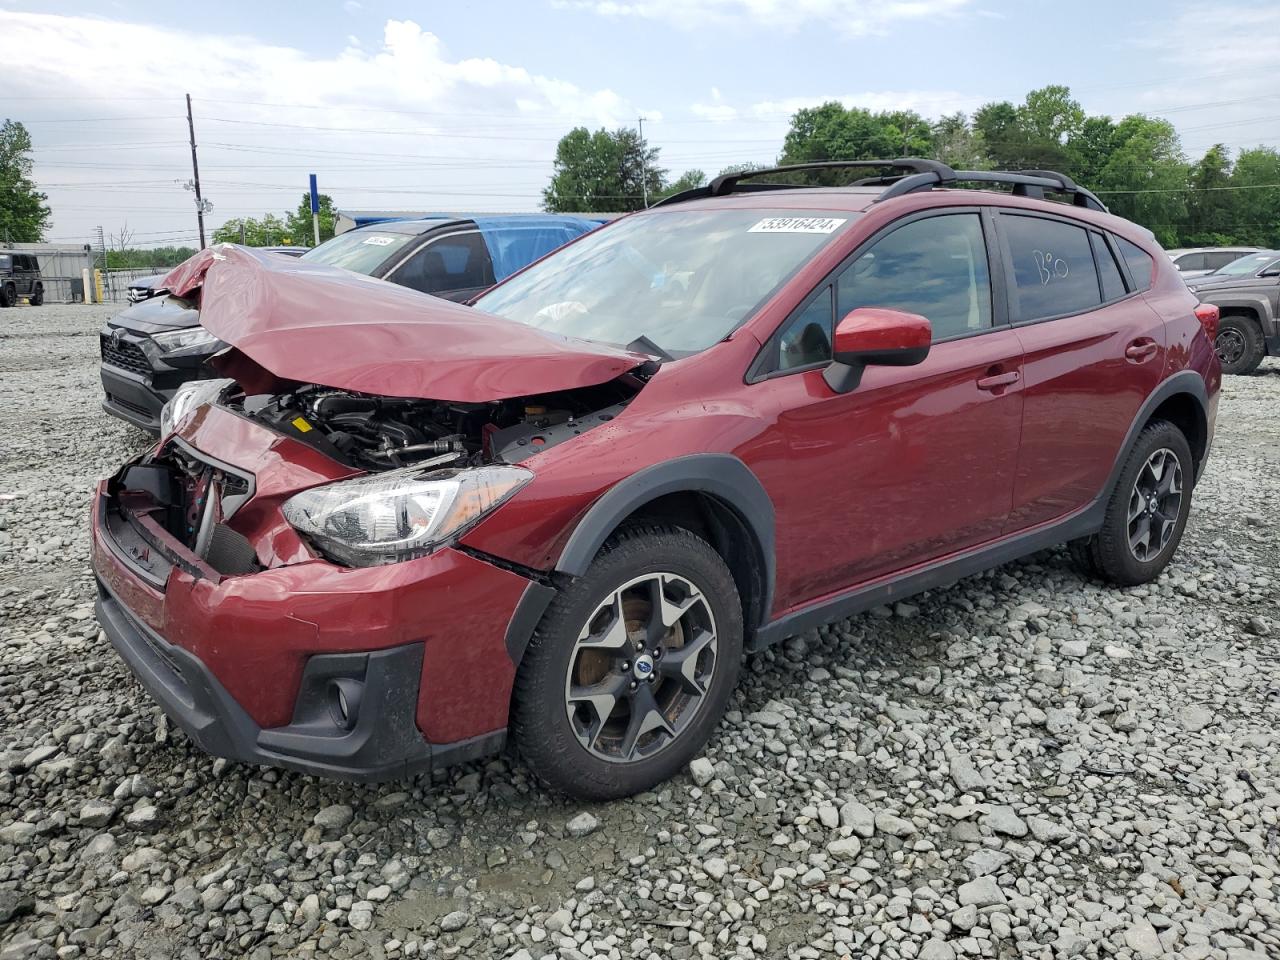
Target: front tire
[(1239, 345), (8, 295), (1147, 511), (631, 667)]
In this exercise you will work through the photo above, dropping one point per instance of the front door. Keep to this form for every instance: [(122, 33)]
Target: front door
[(917, 462)]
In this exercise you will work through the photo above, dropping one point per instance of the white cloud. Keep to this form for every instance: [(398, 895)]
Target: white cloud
[(851, 17), (716, 110), (1215, 87), (929, 103), (351, 6), (476, 133)]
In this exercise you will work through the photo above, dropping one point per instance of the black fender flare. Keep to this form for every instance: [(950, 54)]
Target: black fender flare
[(1183, 382), (719, 475)]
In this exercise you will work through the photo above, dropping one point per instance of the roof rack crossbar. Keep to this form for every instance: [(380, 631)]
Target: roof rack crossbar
[(918, 174), (733, 182), (1025, 183)]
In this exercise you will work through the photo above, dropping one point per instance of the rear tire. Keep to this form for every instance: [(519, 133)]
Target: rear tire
[(1146, 513), (37, 297), (1239, 345), (586, 716)]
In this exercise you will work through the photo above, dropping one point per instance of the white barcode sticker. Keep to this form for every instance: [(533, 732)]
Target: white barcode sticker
[(380, 241), (798, 225)]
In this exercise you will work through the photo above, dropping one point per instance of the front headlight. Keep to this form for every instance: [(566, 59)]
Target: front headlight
[(399, 514), (187, 341), (192, 394)]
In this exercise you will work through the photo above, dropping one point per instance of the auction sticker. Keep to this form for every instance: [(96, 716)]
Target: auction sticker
[(798, 225), (380, 241)]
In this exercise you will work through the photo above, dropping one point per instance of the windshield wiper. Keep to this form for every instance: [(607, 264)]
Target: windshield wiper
[(642, 344)]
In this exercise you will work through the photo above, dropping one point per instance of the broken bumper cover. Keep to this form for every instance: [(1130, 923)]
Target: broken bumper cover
[(249, 667)]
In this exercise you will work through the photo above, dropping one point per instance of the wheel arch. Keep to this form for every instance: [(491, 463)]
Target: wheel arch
[(716, 496), (1181, 399)]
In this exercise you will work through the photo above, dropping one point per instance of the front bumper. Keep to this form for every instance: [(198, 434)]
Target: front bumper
[(136, 379), (247, 664)]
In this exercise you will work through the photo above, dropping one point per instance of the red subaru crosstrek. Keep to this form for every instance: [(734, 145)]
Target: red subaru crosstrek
[(403, 532)]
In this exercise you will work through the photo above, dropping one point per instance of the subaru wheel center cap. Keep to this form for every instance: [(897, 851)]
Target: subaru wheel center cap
[(643, 667)]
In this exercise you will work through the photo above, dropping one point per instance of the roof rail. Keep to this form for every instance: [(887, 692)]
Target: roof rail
[(920, 174), (732, 182)]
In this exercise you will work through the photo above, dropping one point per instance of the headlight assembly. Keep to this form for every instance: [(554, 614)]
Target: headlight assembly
[(399, 514), (193, 340), (192, 394)]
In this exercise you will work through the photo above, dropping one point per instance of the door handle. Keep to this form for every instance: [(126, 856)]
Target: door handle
[(998, 380), (1141, 350)]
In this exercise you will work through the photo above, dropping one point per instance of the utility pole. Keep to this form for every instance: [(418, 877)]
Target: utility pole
[(644, 173), (243, 242), (195, 171)]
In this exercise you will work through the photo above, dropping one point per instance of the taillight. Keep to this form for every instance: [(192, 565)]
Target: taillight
[(1207, 314)]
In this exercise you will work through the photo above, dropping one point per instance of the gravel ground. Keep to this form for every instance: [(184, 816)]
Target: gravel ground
[(1023, 765)]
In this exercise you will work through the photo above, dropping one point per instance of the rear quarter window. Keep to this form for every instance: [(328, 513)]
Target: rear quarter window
[(1140, 263)]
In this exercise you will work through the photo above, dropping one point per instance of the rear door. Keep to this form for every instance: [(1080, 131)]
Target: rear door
[(916, 462), (1093, 351), (24, 275)]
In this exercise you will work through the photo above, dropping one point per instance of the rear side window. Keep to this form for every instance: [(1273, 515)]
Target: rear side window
[(1220, 258), (457, 262), (1053, 270), (1139, 261), (1108, 271), (936, 267), (1195, 261)]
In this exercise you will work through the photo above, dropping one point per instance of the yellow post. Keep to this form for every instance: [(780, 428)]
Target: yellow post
[(97, 284)]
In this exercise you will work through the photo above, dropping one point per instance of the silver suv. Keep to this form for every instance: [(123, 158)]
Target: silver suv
[(1197, 261)]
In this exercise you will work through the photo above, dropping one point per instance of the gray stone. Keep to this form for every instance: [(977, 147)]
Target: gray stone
[(454, 921), (334, 818), (583, 824), (982, 892)]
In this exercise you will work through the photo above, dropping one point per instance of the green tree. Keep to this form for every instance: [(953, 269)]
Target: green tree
[(23, 214), (1209, 203), (1145, 178), (958, 144), (1049, 115), (603, 171), (139, 257), (1255, 201), (686, 181), (298, 222), (832, 131), (268, 231)]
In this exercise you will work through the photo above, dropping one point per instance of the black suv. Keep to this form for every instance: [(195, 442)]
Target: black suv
[(20, 277)]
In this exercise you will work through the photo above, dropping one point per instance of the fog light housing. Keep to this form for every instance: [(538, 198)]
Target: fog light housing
[(344, 701)]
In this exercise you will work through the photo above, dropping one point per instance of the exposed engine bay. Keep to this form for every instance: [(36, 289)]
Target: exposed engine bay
[(385, 433)]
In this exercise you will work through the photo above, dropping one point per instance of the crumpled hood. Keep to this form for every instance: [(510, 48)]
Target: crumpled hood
[(309, 323)]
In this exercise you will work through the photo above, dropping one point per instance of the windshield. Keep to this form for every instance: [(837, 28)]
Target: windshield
[(361, 251), (5, 261), (1247, 266), (677, 281)]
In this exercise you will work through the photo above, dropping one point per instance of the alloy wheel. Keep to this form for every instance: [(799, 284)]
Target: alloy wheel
[(1154, 505), (1230, 346), (641, 667)]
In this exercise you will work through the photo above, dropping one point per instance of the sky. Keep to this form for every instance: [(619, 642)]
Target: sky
[(458, 106)]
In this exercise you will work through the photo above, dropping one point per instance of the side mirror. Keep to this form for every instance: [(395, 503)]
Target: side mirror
[(1270, 272), (876, 335)]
